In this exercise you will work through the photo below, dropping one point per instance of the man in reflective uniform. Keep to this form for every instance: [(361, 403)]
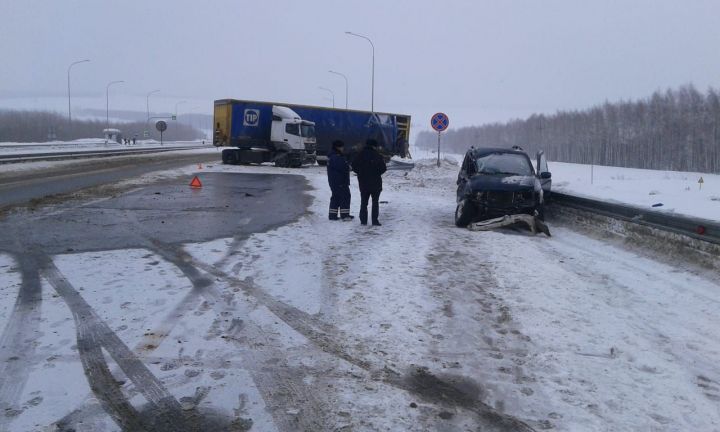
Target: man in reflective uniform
[(338, 171)]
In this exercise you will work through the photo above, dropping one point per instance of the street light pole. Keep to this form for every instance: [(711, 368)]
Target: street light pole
[(176, 106), (68, 79), (372, 94), (346, 86), (331, 92), (147, 103), (107, 102), (191, 113)]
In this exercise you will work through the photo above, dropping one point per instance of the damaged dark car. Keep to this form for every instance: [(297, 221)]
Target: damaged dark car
[(495, 182)]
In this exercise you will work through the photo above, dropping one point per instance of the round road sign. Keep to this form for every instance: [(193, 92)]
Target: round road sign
[(440, 121), (161, 126)]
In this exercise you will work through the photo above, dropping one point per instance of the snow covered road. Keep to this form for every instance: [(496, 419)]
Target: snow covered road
[(317, 325)]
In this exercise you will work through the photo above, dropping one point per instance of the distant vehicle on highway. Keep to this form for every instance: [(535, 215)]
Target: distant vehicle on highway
[(113, 135), (244, 124), (494, 182)]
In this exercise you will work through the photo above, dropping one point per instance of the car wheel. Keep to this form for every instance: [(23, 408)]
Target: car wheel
[(464, 213)]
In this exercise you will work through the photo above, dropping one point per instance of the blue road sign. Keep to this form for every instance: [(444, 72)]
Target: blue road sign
[(440, 121)]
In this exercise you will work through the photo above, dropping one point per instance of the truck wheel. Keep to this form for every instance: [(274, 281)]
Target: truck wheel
[(282, 162), (464, 213), (228, 157)]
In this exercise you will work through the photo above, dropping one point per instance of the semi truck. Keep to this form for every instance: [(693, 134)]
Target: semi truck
[(248, 127), (263, 133)]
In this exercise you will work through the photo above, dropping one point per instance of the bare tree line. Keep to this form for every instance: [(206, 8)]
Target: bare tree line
[(42, 126), (672, 130)]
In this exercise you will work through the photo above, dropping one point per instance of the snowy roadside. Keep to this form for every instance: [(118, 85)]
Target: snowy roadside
[(563, 332), (658, 190), (588, 337)]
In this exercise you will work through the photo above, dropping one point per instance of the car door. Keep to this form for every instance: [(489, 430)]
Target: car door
[(463, 177), (543, 174)]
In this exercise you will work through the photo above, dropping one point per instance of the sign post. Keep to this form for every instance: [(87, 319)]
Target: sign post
[(161, 126), (439, 122)]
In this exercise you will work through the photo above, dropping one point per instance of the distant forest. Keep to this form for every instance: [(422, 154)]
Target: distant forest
[(673, 130), (42, 126)]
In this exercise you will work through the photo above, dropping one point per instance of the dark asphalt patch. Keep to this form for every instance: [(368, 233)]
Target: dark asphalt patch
[(228, 205)]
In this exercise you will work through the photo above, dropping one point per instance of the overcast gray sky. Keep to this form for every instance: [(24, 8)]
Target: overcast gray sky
[(479, 61)]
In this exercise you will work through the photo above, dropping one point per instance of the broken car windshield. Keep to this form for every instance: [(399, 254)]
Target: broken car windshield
[(503, 164)]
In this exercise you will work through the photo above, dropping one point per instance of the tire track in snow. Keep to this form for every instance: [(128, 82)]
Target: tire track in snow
[(17, 343), (476, 327), (93, 334), (334, 342), (280, 386)]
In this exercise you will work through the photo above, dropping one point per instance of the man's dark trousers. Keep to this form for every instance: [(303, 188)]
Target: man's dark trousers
[(364, 198), (340, 200)]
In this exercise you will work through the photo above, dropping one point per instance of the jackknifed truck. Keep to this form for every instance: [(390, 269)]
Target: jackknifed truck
[(292, 135)]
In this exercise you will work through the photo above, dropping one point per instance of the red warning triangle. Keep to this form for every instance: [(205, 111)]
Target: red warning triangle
[(195, 182)]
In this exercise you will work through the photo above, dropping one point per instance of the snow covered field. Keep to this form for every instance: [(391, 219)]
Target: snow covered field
[(677, 192), (566, 332)]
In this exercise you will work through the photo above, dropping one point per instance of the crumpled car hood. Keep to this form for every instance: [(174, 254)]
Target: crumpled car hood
[(502, 183)]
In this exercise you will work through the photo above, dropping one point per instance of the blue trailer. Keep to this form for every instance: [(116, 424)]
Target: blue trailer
[(252, 125)]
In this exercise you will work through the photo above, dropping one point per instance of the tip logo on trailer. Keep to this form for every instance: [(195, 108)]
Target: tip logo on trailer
[(251, 117)]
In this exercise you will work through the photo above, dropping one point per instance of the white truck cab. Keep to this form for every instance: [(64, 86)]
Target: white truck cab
[(290, 132)]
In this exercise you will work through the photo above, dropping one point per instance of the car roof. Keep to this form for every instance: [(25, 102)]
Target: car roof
[(481, 151)]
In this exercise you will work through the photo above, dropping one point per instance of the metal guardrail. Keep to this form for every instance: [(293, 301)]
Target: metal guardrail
[(398, 165), (52, 156), (697, 228)]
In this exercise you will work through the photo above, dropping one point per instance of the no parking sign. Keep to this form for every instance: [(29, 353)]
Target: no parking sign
[(440, 122)]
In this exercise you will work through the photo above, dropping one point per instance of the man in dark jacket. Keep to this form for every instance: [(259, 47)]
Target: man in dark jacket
[(338, 172), (369, 166)]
